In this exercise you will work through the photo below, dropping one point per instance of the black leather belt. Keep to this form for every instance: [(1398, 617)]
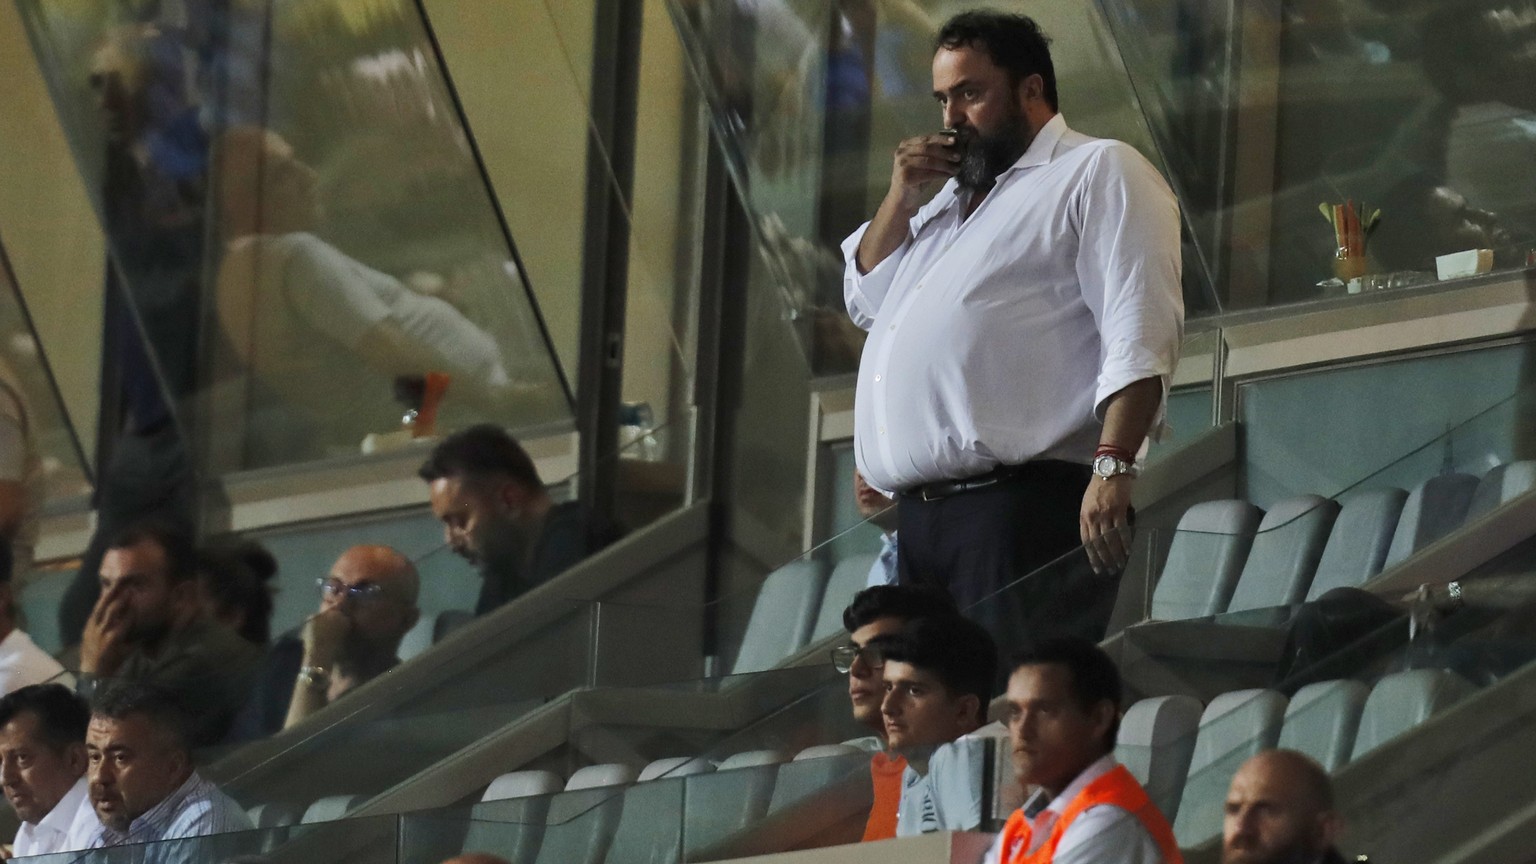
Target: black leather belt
[(945, 488)]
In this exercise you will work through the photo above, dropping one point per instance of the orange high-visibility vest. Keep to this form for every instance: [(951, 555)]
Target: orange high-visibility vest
[(1117, 788)]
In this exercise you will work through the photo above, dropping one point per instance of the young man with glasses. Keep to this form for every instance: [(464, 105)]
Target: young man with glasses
[(367, 604), (875, 612)]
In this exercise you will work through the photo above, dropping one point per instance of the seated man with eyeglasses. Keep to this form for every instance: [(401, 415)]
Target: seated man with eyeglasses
[(367, 604), (875, 612)]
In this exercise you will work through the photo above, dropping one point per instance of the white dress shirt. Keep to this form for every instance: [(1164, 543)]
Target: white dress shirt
[(998, 339), (1104, 834), (62, 829), (22, 663)]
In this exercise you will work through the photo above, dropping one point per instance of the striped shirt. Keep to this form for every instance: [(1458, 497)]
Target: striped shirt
[(196, 809)]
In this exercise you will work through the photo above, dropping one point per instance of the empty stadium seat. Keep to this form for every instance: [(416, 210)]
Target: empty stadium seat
[(601, 776), (1234, 727), (1156, 742), (1285, 553), (650, 830), (1322, 721), (1357, 545), (1204, 560), (848, 578), (1402, 701), (782, 615), (1433, 509), (331, 808), (522, 799), (582, 820), (1502, 484), (522, 784), (814, 769), (674, 766), (736, 795), (275, 815)]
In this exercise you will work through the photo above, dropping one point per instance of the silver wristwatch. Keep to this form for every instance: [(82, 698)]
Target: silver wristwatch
[(1108, 466)]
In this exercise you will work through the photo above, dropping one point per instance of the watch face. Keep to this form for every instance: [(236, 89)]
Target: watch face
[(1104, 466)]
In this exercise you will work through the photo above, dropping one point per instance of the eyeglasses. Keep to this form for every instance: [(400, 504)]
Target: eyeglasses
[(336, 589), (843, 657)]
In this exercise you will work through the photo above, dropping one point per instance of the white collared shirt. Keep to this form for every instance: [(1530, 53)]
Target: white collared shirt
[(998, 339), (1105, 834), (61, 829), (22, 664)]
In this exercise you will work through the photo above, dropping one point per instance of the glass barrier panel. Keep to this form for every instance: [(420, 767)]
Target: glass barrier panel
[(809, 98), (283, 285), (1248, 107)]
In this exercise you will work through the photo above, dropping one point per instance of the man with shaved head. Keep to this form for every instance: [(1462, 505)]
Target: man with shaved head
[(1280, 810), (367, 604)]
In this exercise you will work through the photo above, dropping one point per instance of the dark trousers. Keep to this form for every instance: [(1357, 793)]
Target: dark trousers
[(1010, 554)]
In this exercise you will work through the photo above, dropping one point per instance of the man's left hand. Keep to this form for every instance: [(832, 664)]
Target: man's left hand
[(1105, 523)]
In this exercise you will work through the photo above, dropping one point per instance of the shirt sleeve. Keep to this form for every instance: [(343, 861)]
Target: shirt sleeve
[(1106, 835), (865, 292), (1129, 268), (332, 293)]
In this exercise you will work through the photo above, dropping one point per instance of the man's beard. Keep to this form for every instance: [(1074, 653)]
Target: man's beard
[(983, 156)]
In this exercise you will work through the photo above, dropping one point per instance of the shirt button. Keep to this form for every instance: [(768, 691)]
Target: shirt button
[(882, 430), (877, 377), (893, 328)]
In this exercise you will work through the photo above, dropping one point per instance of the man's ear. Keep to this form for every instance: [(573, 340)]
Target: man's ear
[(1104, 715), (76, 759), (969, 707), (1031, 89)]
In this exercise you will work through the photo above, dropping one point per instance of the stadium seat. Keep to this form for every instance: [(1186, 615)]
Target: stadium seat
[(1322, 720), (582, 820), (521, 799), (1362, 534), (1501, 485), (1433, 509), (782, 615), (1285, 553), (1402, 701), (674, 766), (848, 578), (601, 776), (1234, 727), (522, 784), (737, 795), (1156, 741), (330, 808), (814, 769), (275, 815), (650, 830), (1204, 560)]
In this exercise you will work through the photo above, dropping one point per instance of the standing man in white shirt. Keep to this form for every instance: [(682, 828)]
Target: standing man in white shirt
[(1027, 314), (42, 769), (1063, 715)]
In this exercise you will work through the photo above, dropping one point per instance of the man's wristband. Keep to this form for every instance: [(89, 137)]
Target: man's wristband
[(1120, 453)]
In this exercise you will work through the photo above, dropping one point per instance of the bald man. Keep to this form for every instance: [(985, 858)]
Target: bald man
[(367, 604), (1279, 810)]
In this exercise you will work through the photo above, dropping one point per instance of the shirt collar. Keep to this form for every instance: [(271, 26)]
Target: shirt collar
[(156, 818), (62, 816), (1041, 150), (1042, 799)]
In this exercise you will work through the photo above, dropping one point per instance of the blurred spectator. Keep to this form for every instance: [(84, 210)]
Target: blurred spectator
[(880, 509), (142, 780), (1280, 810), (938, 676), (497, 514), (875, 612), (233, 579), (367, 605), (21, 476), (1063, 715), (323, 334), (42, 769), (21, 661), (148, 627)]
